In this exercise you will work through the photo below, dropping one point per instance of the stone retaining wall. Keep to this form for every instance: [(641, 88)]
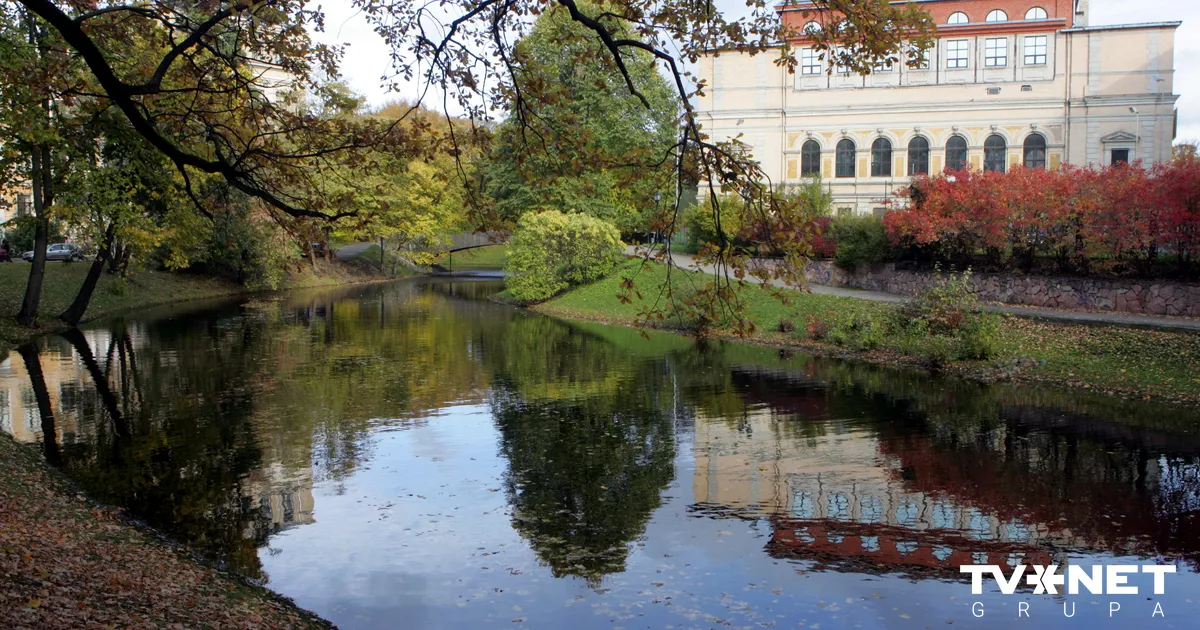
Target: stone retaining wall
[(1152, 297)]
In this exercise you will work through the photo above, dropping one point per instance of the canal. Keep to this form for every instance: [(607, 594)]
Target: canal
[(412, 455)]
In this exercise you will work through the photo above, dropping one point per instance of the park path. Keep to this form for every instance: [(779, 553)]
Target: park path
[(685, 261), (350, 251)]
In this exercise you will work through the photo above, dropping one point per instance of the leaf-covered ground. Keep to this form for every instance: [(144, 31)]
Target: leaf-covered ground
[(1129, 362), (67, 563)]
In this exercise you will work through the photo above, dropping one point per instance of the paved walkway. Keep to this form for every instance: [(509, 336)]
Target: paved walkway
[(350, 251), (686, 261)]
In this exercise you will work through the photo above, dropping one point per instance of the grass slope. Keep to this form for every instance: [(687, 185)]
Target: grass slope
[(489, 258), (144, 288), (1130, 362)]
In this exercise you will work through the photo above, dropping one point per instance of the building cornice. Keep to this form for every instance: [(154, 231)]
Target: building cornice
[(1123, 27)]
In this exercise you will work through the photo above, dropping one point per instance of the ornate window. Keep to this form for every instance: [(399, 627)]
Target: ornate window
[(811, 28), (1036, 13), (995, 52), (956, 153), (845, 158), (1035, 50), (881, 158), (918, 156), (1035, 151), (997, 16), (995, 153), (810, 62), (958, 17), (810, 158), (957, 53)]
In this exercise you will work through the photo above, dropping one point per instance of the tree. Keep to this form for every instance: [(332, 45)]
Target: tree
[(609, 151), (199, 100), (120, 194), (35, 72), (413, 201)]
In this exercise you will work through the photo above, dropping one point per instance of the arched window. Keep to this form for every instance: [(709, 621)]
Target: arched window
[(811, 28), (810, 158), (1035, 151), (845, 158), (995, 153), (956, 153), (881, 158), (1036, 13), (997, 16), (918, 156), (958, 17)]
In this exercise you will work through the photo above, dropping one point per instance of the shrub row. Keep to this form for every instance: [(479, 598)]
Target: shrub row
[(1072, 216)]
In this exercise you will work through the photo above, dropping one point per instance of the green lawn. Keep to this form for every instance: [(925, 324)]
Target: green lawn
[(1128, 361), (143, 288), (112, 294), (488, 258)]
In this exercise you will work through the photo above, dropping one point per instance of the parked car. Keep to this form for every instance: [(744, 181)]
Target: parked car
[(66, 252)]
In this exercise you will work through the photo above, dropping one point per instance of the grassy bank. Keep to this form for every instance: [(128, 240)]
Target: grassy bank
[(144, 288), (489, 258), (68, 563), (1129, 362)]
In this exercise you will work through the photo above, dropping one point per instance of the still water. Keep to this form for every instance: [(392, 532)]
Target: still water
[(412, 455)]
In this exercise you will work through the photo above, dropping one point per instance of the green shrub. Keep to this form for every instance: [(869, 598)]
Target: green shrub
[(252, 252), (947, 314), (979, 336), (938, 351), (550, 252), (872, 334), (861, 242), (701, 222)]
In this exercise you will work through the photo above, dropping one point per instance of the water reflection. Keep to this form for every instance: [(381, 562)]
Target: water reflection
[(455, 459)]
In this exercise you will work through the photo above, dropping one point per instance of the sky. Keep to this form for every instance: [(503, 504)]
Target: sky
[(366, 58)]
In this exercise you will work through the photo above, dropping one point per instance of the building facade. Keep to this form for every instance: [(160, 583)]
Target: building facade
[(1008, 82)]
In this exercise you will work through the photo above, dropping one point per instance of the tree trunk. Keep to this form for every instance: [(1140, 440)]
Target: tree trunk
[(74, 313), (33, 365), (382, 251), (42, 198), (312, 255)]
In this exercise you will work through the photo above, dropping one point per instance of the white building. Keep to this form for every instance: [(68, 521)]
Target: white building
[(1008, 82)]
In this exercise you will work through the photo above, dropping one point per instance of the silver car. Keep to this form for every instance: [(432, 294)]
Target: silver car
[(66, 252)]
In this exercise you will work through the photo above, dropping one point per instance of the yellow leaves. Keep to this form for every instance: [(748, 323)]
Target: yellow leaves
[(34, 603)]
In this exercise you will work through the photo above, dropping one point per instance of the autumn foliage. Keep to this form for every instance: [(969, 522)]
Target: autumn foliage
[(1127, 217)]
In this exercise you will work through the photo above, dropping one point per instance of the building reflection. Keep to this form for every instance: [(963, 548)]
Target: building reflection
[(882, 487)]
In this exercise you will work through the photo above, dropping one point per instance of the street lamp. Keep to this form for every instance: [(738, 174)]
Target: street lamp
[(657, 198)]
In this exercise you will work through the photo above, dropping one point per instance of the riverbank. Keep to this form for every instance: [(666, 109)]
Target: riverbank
[(66, 562), (1126, 362), (143, 289)]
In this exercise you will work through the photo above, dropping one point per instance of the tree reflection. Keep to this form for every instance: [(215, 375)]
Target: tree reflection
[(590, 442), (584, 475)]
